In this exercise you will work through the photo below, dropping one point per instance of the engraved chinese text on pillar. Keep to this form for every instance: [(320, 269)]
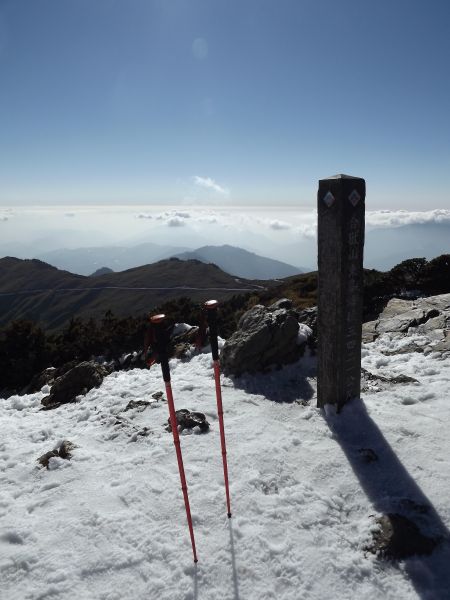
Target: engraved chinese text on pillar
[(341, 213)]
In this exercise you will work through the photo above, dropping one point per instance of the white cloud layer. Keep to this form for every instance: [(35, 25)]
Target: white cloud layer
[(279, 225), (400, 218), (175, 222), (286, 234), (308, 231), (210, 184)]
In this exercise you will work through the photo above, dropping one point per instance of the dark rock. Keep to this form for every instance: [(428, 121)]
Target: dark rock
[(66, 367), (405, 349), (188, 420), (78, 380), (144, 432), (64, 451), (264, 337), (46, 377), (402, 379), (376, 383), (368, 455), (134, 360), (141, 405), (45, 458), (283, 303), (186, 337), (398, 537), (181, 350), (181, 344), (308, 316), (123, 426), (158, 395)]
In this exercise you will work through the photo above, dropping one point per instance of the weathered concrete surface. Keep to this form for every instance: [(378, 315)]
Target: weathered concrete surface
[(341, 214)]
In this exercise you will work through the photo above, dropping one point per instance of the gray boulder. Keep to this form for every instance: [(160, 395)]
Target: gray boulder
[(78, 380), (265, 336), (429, 317)]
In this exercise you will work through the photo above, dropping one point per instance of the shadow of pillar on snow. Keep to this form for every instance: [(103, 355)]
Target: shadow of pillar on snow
[(391, 489)]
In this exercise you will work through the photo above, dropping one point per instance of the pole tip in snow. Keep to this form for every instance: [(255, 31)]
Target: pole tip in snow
[(229, 515), (211, 304), (157, 318)]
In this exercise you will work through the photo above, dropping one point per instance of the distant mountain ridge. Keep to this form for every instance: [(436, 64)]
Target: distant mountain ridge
[(32, 289), (386, 247), (231, 259), (242, 263), (87, 260), (101, 271)]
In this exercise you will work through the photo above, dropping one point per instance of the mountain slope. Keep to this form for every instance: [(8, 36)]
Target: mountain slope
[(118, 258), (241, 263), (34, 290)]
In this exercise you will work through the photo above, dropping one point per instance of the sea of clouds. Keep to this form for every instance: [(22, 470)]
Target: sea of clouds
[(286, 233)]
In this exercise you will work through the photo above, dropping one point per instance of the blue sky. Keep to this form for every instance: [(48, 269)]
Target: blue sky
[(244, 102)]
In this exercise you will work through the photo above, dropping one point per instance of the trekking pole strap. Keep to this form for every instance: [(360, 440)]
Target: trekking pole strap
[(161, 343), (211, 316)]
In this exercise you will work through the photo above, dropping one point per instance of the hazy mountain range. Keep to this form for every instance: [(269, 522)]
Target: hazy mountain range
[(387, 247), (384, 248), (232, 260), (86, 261), (242, 263), (32, 289)]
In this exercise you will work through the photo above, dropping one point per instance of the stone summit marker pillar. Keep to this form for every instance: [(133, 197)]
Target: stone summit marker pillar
[(341, 212)]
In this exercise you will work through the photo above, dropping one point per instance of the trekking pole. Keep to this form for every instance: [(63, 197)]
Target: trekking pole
[(211, 316), (161, 347)]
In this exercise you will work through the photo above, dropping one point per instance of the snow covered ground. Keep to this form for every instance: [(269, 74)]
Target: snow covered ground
[(110, 523)]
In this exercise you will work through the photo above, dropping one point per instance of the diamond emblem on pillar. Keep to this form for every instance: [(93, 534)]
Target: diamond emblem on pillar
[(354, 197), (329, 199)]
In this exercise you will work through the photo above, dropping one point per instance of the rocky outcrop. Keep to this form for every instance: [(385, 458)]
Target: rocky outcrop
[(265, 336), (371, 382), (78, 380), (47, 377), (427, 316)]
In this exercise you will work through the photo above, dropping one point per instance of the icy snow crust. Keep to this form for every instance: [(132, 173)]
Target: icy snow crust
[(110, 523)]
